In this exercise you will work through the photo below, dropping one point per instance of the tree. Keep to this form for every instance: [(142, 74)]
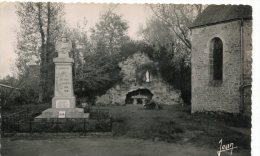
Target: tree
[(99, 73), (40, 25), (167, 31), (177, 18), (81, 46), (21, 90), (102, 54), (168, 28), (110, 33)]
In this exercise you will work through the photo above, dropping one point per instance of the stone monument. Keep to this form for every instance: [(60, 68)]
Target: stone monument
[(64, 101)]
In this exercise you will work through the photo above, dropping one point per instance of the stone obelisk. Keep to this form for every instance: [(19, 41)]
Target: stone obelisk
[(63, 102)]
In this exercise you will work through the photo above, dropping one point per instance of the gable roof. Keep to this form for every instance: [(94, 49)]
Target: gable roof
[(215, 14)]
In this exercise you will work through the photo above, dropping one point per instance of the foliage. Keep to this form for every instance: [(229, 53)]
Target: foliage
[(29, 37), (110, 33), (168, 28), (81, 46), (27, 91), (168, 33), (99, 73), (100, 70), (176, 19), (40, 25), (8, 94), (130, 47), (178, 75)]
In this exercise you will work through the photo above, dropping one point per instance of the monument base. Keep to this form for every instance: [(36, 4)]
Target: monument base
[(63, 102), (69, 113)]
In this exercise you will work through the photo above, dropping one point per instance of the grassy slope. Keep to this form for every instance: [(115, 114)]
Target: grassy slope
[(173, 124)]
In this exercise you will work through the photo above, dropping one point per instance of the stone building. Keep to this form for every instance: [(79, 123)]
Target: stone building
[(141, 83), (221, 59)]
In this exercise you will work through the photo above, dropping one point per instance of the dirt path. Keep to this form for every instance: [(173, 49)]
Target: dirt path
[(103, 146)]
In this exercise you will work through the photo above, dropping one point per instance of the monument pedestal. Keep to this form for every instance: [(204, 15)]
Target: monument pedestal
[(64, 101), (69, 113)]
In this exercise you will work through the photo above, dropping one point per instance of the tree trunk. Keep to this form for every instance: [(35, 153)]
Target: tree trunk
[(48, 56), (42, 55)]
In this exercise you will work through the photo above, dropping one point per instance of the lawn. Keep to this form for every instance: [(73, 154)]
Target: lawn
[(174, 124)]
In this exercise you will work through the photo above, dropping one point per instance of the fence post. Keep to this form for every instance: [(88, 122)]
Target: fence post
[(18, 126), (14, 125), (2, 128), (57, 125), (27, 113), (30, 125), (84, 128), (111, 123)]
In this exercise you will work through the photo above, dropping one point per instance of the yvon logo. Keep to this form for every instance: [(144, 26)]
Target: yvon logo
[(227, 147)]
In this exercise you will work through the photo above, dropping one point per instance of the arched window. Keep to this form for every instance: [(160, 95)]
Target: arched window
[(216, 60)]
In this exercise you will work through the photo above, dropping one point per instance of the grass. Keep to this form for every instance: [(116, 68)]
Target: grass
[(176, 124)]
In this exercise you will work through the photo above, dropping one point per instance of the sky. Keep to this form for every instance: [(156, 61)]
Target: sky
[(134, 14), (8, 29)]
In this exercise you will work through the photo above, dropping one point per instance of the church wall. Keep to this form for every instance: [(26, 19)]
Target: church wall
[(226, 96), (247, 66)]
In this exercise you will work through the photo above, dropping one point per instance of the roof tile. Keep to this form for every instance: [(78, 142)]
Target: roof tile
[(214, 14)]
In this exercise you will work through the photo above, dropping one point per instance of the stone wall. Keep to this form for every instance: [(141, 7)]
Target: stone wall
[(247, 67), (226, 96), (162, 92)]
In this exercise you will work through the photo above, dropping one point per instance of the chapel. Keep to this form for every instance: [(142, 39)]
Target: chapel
[(221, 59)]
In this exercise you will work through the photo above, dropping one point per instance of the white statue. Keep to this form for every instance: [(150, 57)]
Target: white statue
[(63, 46), (147, 76)]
